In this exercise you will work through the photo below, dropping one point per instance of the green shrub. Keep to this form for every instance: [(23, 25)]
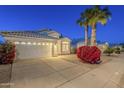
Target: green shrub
[(108, 51), (73, 50), (122, 50), (7, 53), (123, 46), (117, 50)]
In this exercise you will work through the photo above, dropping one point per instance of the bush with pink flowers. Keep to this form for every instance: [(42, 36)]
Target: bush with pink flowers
[(90, 54), (7, 53)]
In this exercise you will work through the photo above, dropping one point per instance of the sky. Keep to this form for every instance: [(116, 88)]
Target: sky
[(61, 19)]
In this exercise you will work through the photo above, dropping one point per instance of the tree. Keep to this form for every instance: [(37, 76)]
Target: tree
[(81, 23), (117, 50), (108, 51), (84, 21), (98, 15), (122, 46), (92, 16)]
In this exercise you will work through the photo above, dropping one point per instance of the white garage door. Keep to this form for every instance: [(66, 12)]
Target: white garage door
[(33, 51)]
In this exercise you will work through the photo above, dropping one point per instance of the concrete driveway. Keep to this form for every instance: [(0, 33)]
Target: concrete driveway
[(67, 71), (51, 72), (5, 76)]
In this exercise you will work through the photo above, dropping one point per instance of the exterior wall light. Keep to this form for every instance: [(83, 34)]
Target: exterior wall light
[(39, 43), (47, 43), (16, 42), (34, 43), (29, 43), (23, 43), (51, 44), (43, 44)]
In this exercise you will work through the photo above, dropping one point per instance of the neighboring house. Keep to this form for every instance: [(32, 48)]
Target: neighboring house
[(101, 46), (36, 44), (82, 43), (79, 44)]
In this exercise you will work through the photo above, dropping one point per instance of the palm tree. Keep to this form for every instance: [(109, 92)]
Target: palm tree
[(98, 15), (84, 21), (85, 24)]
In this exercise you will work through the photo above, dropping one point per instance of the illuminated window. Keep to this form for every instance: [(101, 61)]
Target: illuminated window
[(65, 47)]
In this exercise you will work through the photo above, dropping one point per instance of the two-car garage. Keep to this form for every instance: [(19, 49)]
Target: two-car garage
[(25, 51), (29, 48)]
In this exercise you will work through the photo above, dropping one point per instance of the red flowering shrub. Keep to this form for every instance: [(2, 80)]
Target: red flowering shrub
[(90, 54), (7, 53)]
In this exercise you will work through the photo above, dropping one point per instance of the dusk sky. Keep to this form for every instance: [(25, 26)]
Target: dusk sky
[(61, 19)]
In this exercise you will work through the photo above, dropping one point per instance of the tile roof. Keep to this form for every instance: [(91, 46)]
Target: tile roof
[(34, 34)]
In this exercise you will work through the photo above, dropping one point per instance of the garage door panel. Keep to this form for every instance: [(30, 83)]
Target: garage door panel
[(33, 51)]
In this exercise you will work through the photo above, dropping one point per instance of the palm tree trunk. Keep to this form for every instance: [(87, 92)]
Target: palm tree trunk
[(86, 35), (93, 35)]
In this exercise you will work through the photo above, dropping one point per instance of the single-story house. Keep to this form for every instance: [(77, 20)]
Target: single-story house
[(36, 44)]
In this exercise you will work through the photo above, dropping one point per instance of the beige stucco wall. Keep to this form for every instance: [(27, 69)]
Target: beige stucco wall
[(59, 47)]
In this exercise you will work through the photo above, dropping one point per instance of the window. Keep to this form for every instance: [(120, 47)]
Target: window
[(65, 47)]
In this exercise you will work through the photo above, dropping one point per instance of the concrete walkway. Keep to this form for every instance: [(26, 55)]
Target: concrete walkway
[(68, 72)]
